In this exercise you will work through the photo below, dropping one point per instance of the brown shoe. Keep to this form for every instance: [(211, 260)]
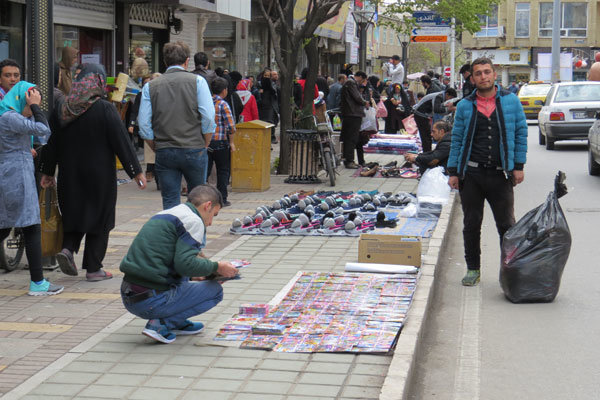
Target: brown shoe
[(351, 165), (369, 172)]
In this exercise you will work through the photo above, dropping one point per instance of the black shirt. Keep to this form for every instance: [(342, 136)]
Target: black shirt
[(486, 141)]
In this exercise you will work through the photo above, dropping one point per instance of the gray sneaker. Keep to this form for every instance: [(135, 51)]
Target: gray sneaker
[(44, 289), (66, 262)]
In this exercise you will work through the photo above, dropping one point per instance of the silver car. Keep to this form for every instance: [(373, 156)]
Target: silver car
[(568, 112), (594, 147)]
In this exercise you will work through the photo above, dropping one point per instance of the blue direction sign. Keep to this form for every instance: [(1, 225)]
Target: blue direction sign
[(429, 18)]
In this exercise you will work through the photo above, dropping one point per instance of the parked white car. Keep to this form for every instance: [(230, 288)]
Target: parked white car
[(568, 112)]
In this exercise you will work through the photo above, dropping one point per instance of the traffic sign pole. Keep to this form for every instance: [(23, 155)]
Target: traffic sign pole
[(452, 51)]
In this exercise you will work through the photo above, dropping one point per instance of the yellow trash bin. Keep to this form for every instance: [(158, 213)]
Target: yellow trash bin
[(251, 161)]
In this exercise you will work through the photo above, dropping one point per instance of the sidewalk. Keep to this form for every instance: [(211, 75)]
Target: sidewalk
[(83, 344)]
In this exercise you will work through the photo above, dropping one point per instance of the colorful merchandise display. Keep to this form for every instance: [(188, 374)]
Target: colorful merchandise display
[(330, 312), (382, 143), (336, 214)]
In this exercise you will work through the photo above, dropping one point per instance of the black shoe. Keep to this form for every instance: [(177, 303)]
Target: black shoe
[(226, 203), (391, 164), (372, 165), (273, 140), (351, 165)]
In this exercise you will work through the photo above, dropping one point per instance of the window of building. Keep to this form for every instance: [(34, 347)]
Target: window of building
[(12, 23), (384, 35), (522, 20), (489, 24), (573, 19)]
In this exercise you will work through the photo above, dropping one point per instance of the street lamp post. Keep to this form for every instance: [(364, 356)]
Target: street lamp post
[(404, 40), (363, 18)]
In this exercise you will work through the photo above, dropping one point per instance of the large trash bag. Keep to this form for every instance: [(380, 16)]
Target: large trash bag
[(535, 251)]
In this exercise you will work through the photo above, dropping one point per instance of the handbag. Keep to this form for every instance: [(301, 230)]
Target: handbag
[(381, 110), (410, 125), (51, 226)]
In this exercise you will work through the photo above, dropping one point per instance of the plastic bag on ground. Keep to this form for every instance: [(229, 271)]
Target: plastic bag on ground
[(535, 251), (433, 187), (369, 121)]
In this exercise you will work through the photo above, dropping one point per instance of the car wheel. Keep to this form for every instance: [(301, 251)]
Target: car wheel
[(593, 166), (549, 143), (542, 138)]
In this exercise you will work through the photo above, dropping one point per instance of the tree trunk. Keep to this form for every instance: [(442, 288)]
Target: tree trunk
[(312, 55)]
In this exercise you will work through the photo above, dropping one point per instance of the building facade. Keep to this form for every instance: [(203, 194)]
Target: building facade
[(517, 32)]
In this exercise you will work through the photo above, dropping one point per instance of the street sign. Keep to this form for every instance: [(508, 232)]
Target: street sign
[(429, 39), (429, 18), (431, 31), (447, 72)]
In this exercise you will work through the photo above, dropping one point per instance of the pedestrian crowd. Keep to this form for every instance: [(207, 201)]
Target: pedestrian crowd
[(187, 123)]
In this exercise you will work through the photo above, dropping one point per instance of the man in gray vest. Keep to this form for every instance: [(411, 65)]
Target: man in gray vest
[(177, 119)]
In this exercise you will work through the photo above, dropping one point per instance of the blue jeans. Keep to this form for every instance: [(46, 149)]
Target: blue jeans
[(171, 164), (182, 301)]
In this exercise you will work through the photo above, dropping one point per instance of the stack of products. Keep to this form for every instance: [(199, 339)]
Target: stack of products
[(336, 312), (393, 144)]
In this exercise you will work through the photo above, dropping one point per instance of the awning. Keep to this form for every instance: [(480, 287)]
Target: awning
[(332, 28)]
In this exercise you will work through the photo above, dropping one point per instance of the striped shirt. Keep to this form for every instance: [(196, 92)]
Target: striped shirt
[(223, 119)]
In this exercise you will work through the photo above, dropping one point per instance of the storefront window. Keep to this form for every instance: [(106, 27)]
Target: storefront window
[(12, 22), (94, 45), (219, 44), (143, 38), (257, 50)]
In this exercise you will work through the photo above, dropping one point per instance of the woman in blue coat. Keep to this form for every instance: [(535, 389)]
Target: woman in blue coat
[(19, 207)]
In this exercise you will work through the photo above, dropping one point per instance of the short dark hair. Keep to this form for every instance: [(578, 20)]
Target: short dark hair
[(451, 92), (420, 95), (430, 73), (235, 76), (342, 76), (304, 73), (465, 68), (219, 71), (9, 63), (218, 85), (203, 193), (425, 79), (443, 125), (176, 53), (482, 61), (361, 74), (396, 57), (200, 58)]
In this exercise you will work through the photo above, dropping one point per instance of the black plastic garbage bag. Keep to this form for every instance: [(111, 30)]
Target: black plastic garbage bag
[(535, 251)]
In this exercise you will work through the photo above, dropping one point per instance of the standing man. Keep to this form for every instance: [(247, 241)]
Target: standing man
[(177, 119), (594, 73), (487, 155), (513, 88), (431, 107), (334, 98), (353, 110), (395, 70), (202, 63), (468, 85), (276, 104), (10, 75)]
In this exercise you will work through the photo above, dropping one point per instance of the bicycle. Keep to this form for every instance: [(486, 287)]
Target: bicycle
[(12, 250)]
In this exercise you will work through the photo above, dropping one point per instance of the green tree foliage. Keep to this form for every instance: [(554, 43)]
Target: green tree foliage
[(466, 12)]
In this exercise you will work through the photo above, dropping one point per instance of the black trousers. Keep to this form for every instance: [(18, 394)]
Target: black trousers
[(219, 153), (349, 134), (477, 186), (33, 249), (424, 125), (95, 248)]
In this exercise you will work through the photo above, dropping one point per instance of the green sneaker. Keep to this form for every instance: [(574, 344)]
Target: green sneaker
[(471, 278)]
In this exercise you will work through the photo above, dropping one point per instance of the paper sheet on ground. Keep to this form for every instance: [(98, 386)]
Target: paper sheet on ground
[(380, 268)]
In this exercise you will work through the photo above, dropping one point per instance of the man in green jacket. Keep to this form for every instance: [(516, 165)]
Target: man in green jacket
[(165, 272)]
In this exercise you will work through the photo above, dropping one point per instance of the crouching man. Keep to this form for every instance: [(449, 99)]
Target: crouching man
[(164, 270), (442, 134)]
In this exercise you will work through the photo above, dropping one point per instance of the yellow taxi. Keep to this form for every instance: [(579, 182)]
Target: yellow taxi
[(533, 96)]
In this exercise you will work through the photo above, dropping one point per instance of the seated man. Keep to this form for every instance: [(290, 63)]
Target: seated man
[(442, 134), (164, 278)]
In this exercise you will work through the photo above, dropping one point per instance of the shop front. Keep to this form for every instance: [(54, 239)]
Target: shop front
[(88, 27), (12, 31), (148, 32), (512, 65)]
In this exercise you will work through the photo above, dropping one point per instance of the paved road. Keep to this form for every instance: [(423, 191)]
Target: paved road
[(480, 346)]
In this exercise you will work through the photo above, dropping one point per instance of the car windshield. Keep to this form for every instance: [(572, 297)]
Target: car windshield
[(570, 93), (534, 90)]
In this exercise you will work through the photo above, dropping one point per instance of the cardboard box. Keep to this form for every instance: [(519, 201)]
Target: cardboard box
[(389, 249)]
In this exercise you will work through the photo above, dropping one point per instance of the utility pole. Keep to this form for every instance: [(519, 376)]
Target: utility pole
[(452, 50), (556, 42)]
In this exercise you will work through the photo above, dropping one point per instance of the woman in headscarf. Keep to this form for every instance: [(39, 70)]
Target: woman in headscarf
[(250, 111), (84, 148), (67, 62), (398, 108), (19, 207)]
